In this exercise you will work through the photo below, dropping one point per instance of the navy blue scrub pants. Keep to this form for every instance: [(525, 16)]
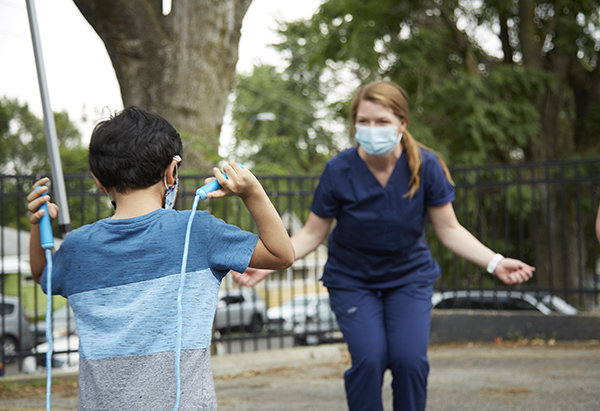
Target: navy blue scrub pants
[(385, 329)]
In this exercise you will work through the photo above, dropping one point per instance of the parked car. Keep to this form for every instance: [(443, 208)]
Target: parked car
[(295, 311), (65, 355), (15, 329), (319, 328), (240, 309), (500, 300), (558, 304), (63, 323)]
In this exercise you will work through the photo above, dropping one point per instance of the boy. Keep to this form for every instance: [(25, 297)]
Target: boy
[(121, 274)]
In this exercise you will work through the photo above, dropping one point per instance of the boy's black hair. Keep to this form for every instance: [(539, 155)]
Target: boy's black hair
[(131, 149)]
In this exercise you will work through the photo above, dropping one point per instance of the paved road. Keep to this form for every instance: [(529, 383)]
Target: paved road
[(492, 377)]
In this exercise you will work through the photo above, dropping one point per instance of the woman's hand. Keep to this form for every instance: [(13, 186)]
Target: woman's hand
[(511, 271), (250, 277)]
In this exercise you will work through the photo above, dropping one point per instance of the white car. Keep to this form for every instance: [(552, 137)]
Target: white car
[(295, 311), (558, 304), (67, 360), (240, 309), (319, 328), (500, 300), (63, 323)]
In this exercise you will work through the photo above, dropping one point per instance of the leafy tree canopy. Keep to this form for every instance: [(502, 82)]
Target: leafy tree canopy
[(278, 125), (532, 95), (23, 149)]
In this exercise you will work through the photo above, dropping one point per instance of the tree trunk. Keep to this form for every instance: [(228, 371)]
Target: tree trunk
[(586, 93), (558, 229), (181, 66), (560, 234), (527, 39)]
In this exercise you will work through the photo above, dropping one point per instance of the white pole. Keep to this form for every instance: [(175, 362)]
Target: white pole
[(58, 181)]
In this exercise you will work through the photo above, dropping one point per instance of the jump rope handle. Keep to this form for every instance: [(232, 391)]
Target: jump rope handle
[(46, 227), (210, 187)]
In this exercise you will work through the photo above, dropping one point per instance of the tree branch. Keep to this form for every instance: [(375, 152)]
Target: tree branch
[(504, 37), (462, 41), (558, 9)]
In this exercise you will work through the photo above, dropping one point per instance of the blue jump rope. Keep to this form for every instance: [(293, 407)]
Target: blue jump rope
[(201, 195), (47, 240)]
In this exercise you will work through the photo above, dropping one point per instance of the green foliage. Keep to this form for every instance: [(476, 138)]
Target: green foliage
[(23, 149), (278, 131), (470, 105), (489, 120), (514, 337), (23, 152)]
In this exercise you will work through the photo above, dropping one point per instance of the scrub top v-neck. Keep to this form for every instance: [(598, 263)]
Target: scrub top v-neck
[(378, 237)]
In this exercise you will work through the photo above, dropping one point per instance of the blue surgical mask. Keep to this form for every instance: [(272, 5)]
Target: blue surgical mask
[(170, 194), (377, 141)]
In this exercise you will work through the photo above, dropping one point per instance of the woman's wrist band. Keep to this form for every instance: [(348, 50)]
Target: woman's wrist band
[(494, 263)]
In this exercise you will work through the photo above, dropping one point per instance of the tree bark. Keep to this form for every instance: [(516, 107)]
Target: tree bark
[(181, 66), (586, 93), (529, 45)]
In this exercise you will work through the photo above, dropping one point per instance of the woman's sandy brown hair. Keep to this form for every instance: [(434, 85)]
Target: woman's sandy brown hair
[(394, 97)]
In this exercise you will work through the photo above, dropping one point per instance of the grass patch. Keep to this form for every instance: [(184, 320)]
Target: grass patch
[(35, 387)]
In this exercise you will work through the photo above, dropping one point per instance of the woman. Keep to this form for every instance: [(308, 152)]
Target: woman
[(380, 272)]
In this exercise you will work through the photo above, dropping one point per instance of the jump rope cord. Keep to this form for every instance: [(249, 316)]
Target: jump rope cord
[(201, 195), (49, 337), (47, 243), (179, 302)]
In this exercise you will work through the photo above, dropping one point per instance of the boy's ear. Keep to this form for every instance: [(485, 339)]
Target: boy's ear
[(103, 189)]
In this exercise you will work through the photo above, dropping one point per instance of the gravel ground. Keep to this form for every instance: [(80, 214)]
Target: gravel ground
[(529, 375)]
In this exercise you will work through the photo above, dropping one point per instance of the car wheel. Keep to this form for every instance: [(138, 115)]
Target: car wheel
[(300, 340), (9, 346), (256, 324)]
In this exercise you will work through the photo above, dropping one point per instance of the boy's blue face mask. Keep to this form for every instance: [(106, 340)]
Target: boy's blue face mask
[(171, 193), (377, 141)]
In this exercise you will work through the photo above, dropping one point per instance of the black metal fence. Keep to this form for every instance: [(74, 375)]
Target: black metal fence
[(541, 213)]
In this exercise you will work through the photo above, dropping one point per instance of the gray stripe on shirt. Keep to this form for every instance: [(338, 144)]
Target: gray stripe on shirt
[(147, 382)]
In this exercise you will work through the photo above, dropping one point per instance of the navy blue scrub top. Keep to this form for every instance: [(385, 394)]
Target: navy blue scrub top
[(378, 240)]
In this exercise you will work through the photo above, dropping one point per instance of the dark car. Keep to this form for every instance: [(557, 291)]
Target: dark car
[(500, 300), (15, 331), (240, 309)]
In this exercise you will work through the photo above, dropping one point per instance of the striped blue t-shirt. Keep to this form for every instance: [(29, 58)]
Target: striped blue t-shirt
[(121, 278)]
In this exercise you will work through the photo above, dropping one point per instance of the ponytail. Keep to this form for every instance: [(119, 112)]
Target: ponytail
[(412, 148)]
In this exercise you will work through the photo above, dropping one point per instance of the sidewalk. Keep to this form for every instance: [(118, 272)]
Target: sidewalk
[(480, 376)]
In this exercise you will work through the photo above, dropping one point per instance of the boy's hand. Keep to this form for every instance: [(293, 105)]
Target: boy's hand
[(239, 182), (36, 199)]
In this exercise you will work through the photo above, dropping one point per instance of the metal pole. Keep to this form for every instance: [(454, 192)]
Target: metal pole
[(58, 181)]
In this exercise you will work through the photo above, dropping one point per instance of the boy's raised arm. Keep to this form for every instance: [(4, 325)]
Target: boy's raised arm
[(274, 249)]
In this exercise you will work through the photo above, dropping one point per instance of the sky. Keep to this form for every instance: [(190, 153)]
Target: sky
[(80, 76)]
